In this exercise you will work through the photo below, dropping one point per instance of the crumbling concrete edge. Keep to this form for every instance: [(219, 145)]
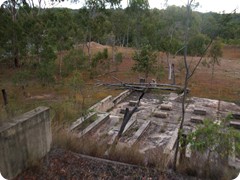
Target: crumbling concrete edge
[(101, 119)]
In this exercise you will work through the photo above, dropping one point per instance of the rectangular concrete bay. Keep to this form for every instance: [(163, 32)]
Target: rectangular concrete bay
[(101, 119)]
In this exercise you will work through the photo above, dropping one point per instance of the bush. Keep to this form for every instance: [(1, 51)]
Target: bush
[(74, 60)]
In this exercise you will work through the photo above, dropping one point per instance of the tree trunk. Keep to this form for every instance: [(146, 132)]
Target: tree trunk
[(169, 67), (213, 66), (173, 75), (127, 35), (185, 84), (15, 39), (60, 64), (4, 94)]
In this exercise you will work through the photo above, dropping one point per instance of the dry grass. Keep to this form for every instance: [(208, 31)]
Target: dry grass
[(130, 155), (197, 166), (156, 158), (93, 147)]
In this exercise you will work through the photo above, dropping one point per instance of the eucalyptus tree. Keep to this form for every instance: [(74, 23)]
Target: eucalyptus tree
[(188, 72), (145, 61), (215, 53), (137, 9)]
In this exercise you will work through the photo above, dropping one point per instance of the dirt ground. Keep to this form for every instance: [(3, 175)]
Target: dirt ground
[(65, 165)]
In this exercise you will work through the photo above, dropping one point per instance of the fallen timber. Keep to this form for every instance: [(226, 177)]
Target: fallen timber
[(141, 86)]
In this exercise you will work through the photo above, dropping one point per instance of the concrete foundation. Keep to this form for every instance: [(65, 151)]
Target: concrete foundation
[(235, 124), (167, 107), (24, 141), (101, 119), (199, 111), (160, 114), (196, 119)]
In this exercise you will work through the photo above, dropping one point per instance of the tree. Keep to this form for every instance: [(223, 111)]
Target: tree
[(197, 44), (78, 85), (215, 53), (145, 61), (21, 79), (217, 139), (46, 68), (188, 74), (99, 59), (74, 60)]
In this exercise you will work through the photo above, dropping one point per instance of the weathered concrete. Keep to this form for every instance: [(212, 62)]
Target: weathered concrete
[(132, 103), (101, 119), (80, 120), (199, 111), (121, 96), (236, 116), (196, 119), (109, 102), (235, 124), (170, 146), (166, 106), (104, 105), (25, 140), (139, 133), (160, 114)]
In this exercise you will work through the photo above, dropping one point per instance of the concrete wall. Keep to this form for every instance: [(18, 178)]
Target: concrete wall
[(109, 102), (25, 140), (104, 105)]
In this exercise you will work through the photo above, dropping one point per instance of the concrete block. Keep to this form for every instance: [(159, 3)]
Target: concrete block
[(160, 114), (236, 116), (235, 124), (167, 106), (196, 119), (132, 103), (199, 111)]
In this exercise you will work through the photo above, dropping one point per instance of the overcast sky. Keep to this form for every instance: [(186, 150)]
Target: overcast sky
[(205, 5)]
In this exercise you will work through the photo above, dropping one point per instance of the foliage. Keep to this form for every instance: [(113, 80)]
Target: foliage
[(118, 59), (100, 60), (78, 85), (214, 137), (198, 44), (45, 72), (145, 61), (21, 78), (74, 60), (215, 52)]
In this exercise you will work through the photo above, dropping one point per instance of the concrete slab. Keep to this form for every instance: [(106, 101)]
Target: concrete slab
[(171, 143), (139, 133)]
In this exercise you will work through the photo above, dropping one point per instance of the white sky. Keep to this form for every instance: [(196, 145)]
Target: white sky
[(205, 5)]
